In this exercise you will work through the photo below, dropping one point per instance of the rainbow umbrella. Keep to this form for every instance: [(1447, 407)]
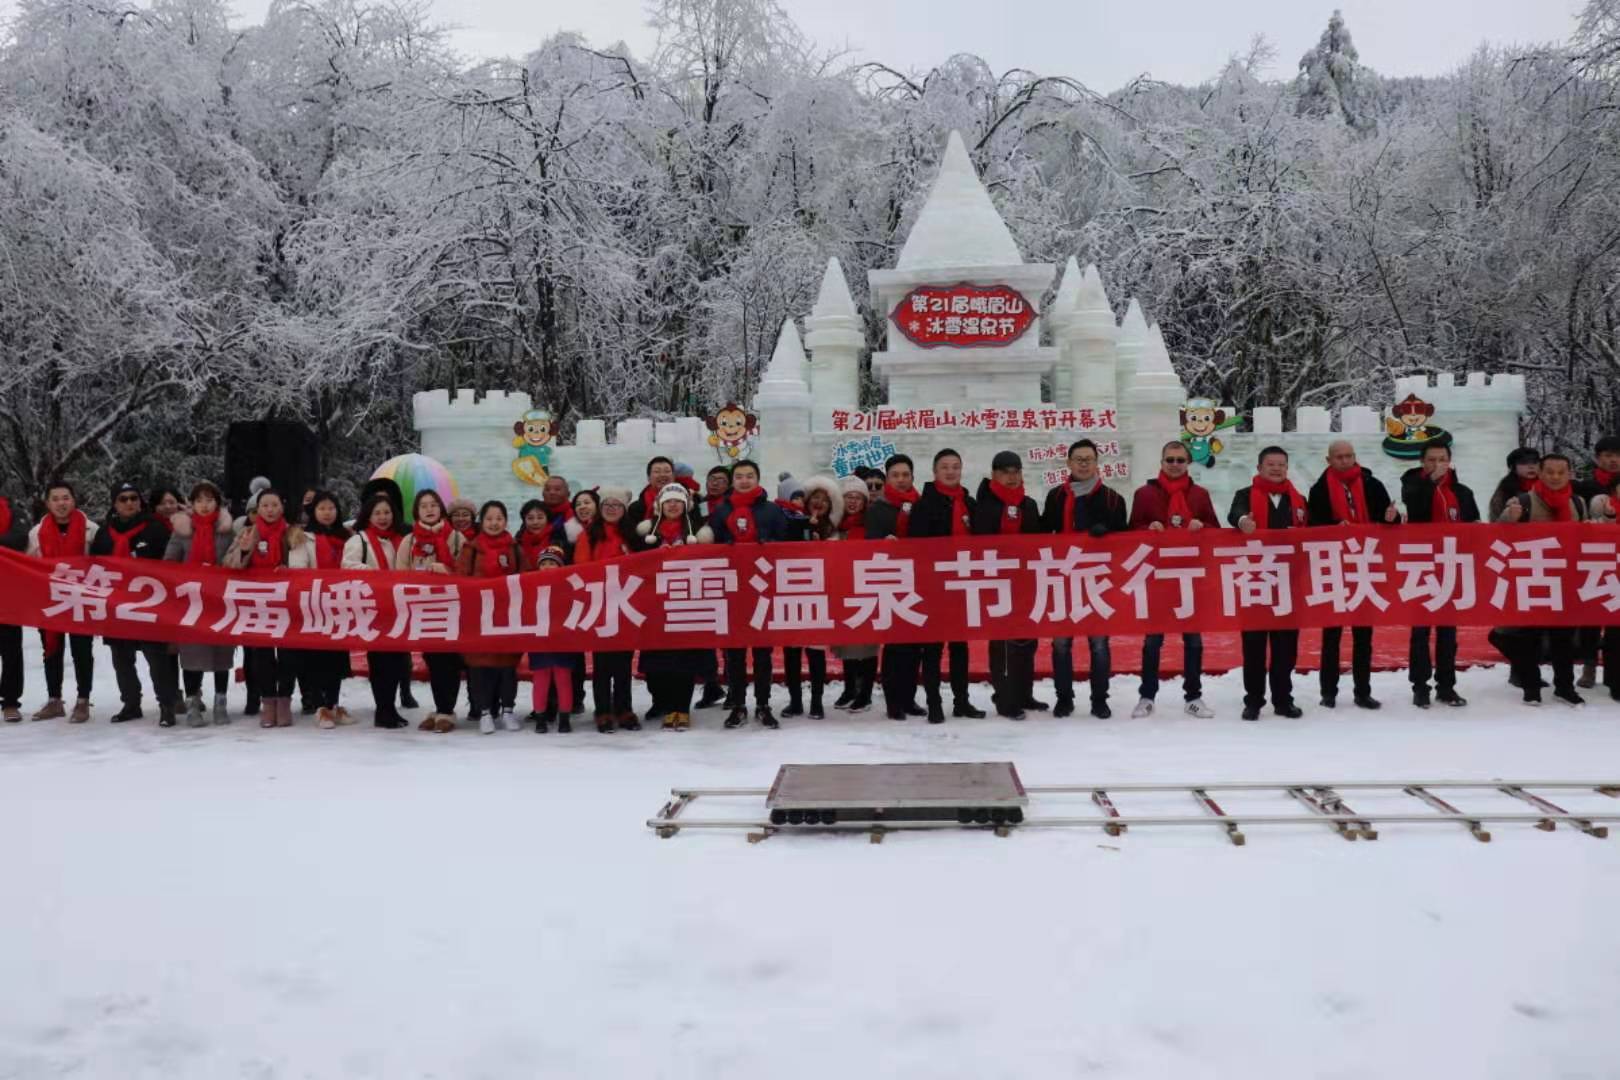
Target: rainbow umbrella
[(417, 472)]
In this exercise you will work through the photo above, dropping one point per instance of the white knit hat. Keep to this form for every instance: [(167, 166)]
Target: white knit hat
[(673, 491), (608, 491), (854, 485)]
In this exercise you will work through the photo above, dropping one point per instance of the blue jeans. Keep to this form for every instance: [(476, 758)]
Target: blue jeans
[(1192, 679), (1102, 668)]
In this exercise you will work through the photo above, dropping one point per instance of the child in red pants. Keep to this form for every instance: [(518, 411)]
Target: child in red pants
[(553, 673)]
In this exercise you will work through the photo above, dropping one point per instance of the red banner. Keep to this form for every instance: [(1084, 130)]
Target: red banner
[(860, 592)]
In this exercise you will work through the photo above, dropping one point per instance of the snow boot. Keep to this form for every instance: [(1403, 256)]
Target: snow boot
[(222, 714), (51, 710), (195, 716)]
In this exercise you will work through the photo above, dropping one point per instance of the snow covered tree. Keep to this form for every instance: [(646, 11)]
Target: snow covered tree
[(1331, 79)]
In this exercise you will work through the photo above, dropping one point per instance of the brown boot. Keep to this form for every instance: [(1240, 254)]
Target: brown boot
[(325, 718), (629, 722), (430, 722), (81, 712), (343, 717), (267, 712), (51, 710), (446, 724)]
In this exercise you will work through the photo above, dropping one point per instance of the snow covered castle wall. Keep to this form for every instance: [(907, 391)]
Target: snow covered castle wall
[(475, 441)]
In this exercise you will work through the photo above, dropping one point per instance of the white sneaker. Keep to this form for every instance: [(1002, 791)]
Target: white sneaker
[(486, 724), (1143, 708), (510, 721), (1196, 707)]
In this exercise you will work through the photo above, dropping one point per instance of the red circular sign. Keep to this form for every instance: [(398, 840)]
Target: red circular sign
[(963, 315)]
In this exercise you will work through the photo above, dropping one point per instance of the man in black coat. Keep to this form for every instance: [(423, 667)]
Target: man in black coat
[(747, 516), (1433, 495), (13, 536), (716, 486), (1269, 502), (132, 532), (1086, 506), (1002, 509), (945, 509), (889, 514), (1348, 494)]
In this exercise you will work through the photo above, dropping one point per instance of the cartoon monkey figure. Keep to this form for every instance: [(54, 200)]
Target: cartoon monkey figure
[(1201, 418), (731, 432), (1410, 419), (532, 439)]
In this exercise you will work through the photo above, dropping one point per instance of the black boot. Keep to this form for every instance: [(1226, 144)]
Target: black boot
[(964, 707), (936, 709), (795, 705), (713, 694), (847, 694), (766, 718), (737, 717), (816, 711), (406, 699)]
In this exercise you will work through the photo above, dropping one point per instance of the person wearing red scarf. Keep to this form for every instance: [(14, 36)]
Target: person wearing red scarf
[(1433, 495), (1269, 502), (660, 474), (671, 674), (266, 544), (464, 517), (374, 547), (13, 537), (1605, 469), (1002, 508), (716, 486), (1552, 499), (746, 516), (558, 506), (132, 532), (605, 539), (1171, 502), (945, 509), (1348, 494), (1083, 505), (64, 532), (889, 515), (491, 677), (433, 546), (848, 520), (201, 537)]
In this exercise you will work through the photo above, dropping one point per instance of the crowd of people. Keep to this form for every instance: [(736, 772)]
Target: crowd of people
[(732, 506)]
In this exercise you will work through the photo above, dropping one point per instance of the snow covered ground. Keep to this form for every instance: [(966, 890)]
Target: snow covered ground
[(359, 903)]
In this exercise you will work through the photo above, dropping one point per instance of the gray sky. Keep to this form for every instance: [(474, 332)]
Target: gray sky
[(1104, 43)]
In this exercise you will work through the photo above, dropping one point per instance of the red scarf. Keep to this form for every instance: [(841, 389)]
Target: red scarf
[(901, 501), (611, 545), (649, 502), (1557, 501), (379, 554), (1445, 502), (556, 523), (1348, 495), (270, 551), (740, 522), (203, 540), (470, 532), (1603, 478), (123, 538), (1181, 514), (329, 550), (533, 542), (5, 515), (1526, 483), (431, 542), (1260, 492), (495, 553), (672, 530), (1012, 499), (1069, 500), (960, 525), (56, 544), (711, 505), (854, 525)]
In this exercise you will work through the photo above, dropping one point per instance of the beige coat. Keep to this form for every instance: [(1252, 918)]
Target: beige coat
[(299, 554)]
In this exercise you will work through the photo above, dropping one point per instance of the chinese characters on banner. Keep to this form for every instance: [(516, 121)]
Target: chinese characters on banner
[(857, 592), (851, 454), (888, 418), (963, 315), (1048, 464)]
